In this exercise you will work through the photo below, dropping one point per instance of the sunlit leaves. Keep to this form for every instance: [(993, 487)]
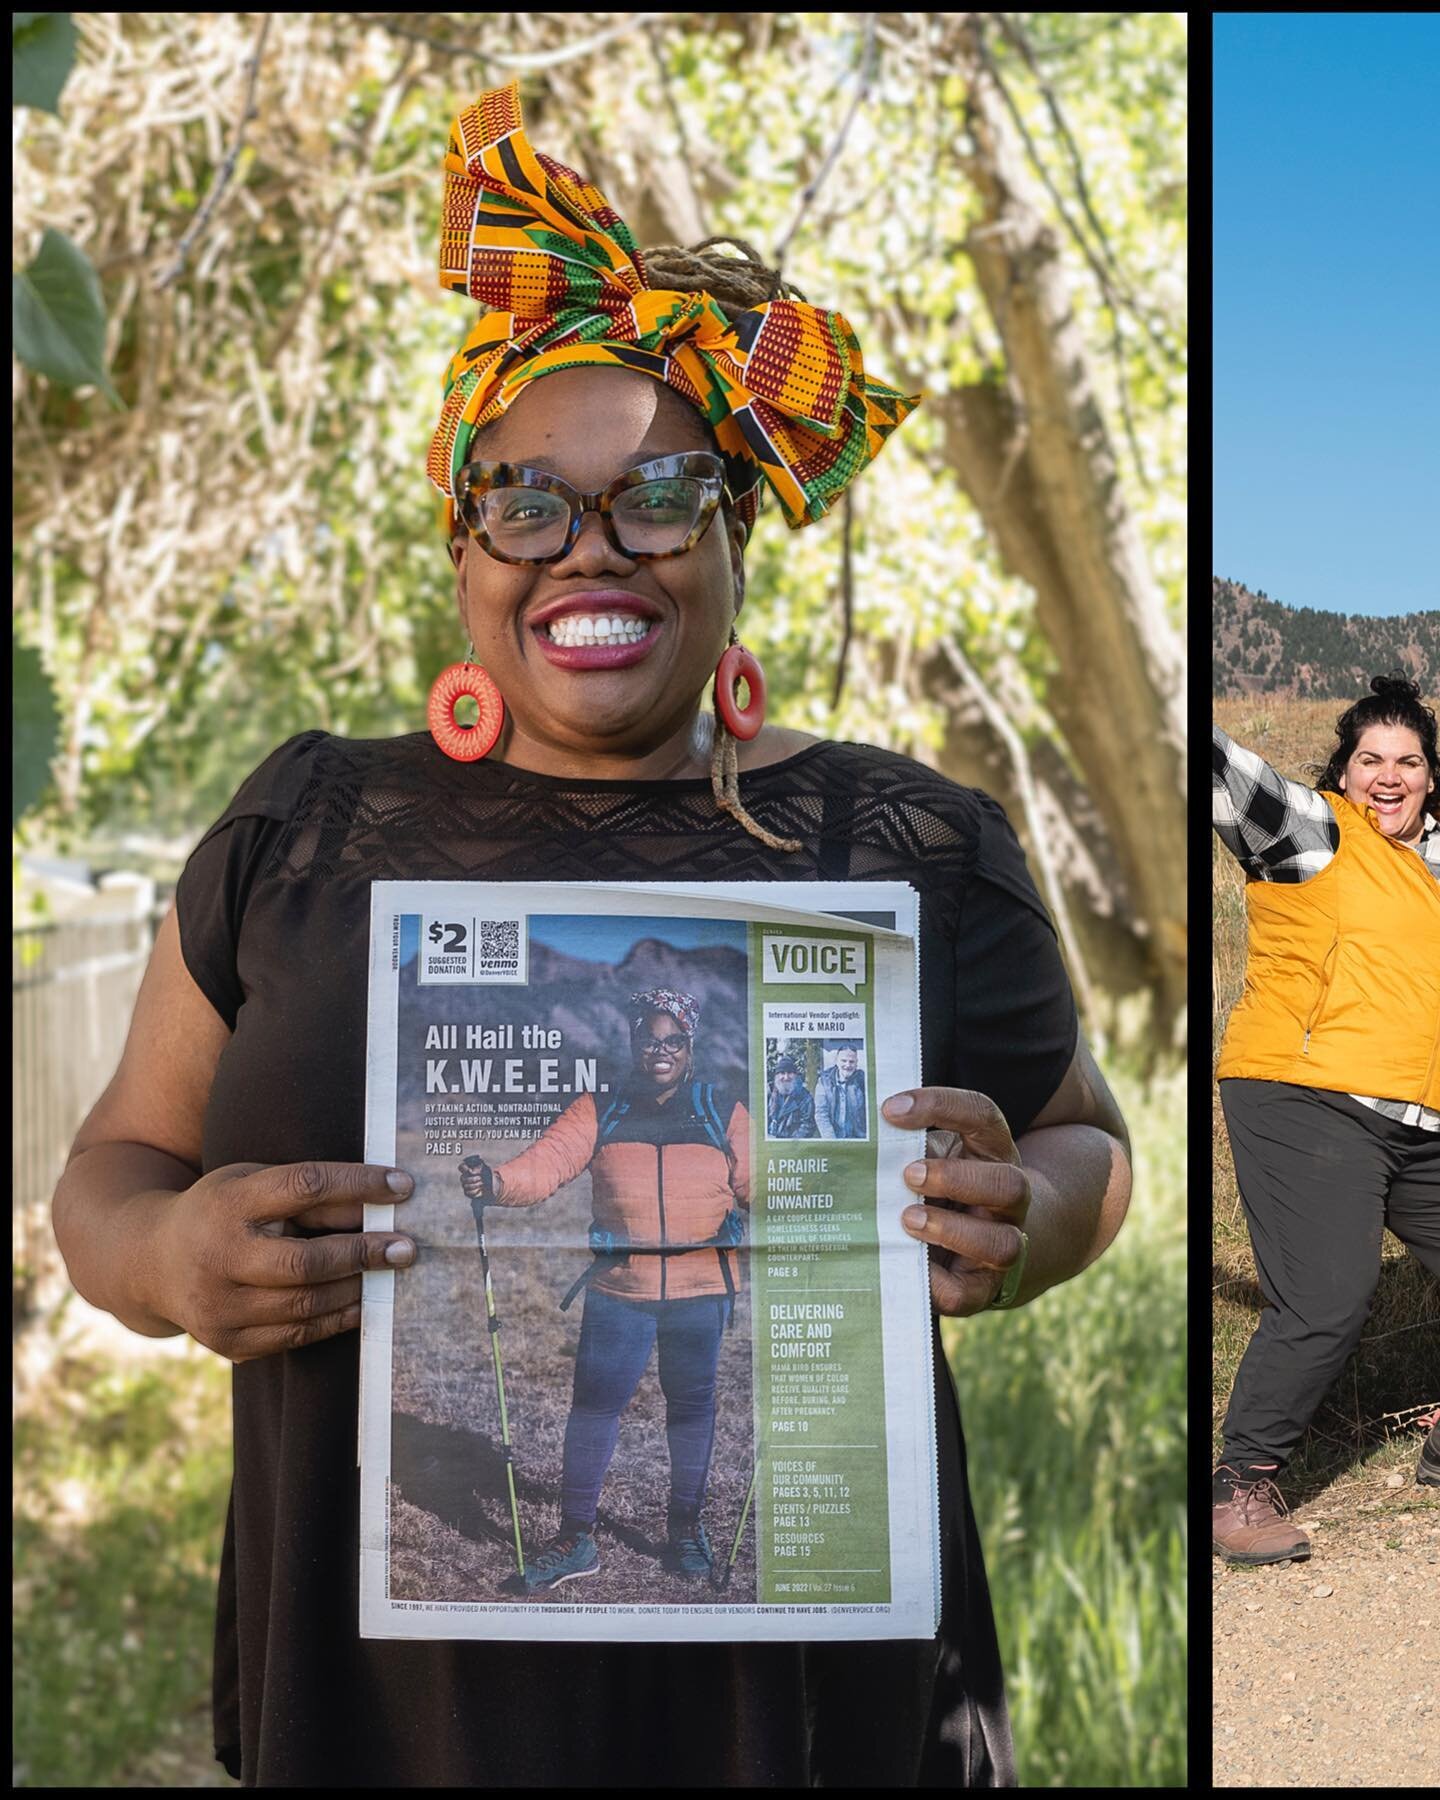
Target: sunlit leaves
[(277, 563)]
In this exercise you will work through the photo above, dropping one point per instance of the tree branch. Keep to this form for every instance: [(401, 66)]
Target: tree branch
[(399, 84), (1112, 294), (1112, 285), (867, 74), (1029, 799), (227, 168), (534, 59), (652, 37), (1071, 45), (1016, 37)]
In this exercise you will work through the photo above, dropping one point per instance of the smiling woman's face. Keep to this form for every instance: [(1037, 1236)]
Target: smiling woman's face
[(1387, 770), (588, 426), (667, 1067)]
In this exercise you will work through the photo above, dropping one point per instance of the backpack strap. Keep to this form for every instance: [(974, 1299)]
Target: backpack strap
[(702, 1104), (610, 1119), (602, 1260), (731, 1232), (729, 1280)]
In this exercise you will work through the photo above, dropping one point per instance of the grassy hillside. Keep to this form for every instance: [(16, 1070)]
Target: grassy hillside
[(1262, 647)]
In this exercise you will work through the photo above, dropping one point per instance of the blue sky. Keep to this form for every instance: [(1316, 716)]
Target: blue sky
[(1327, 308)]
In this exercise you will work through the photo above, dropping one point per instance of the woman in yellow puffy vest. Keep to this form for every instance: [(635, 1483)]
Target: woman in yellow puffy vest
[(1329, 1073)]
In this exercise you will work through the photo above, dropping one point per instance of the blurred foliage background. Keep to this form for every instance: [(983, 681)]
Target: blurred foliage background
[(230, 337), (241, 545)]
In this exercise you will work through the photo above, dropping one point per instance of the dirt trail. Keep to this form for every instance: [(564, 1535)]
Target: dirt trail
[(1327, 1672)]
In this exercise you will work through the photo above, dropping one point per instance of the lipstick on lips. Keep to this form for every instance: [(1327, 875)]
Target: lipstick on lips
[(598, 603)]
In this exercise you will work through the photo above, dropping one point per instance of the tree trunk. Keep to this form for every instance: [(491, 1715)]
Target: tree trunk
[(1035, 457), (1033, 454), (1093, 882)]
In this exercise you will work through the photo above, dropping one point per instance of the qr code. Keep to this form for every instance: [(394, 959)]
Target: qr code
[(499, 946)]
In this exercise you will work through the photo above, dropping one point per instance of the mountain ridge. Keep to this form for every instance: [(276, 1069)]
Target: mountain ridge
[(1261, 646)]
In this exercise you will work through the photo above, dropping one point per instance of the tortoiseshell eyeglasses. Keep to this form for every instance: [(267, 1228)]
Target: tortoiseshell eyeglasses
[(659, 508)]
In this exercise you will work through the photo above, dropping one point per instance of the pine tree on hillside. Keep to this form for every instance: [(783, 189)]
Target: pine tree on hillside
[(1319, 653)]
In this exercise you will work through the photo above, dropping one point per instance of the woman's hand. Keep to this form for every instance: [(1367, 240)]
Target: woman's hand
[(235, 1274), (477, 1178), (972, 1163)]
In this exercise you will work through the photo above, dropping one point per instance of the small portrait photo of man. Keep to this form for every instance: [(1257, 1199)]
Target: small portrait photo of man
[(840, 1093), (789, 1104)]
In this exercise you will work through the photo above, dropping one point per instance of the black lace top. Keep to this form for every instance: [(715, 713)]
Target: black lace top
[(274, 927)]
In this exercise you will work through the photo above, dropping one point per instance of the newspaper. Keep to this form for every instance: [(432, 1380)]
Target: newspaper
[(686, 1325)]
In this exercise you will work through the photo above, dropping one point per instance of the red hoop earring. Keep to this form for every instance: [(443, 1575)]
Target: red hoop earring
[(466, 743), (735, 665)]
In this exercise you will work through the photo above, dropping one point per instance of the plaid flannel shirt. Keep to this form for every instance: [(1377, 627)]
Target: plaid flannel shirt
[(1279, 830)]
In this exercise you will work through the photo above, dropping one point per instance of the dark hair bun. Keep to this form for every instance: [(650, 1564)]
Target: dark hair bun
[(1396, 688)]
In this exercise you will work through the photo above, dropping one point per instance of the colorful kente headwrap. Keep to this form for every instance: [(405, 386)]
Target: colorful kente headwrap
[(784, 388), (683, 1008)]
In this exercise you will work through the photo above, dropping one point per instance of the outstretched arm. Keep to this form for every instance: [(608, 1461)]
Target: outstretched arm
[(558, 1155), (1277, 830)]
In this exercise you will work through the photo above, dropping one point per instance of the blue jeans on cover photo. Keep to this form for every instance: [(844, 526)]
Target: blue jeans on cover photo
[(616, 1338)]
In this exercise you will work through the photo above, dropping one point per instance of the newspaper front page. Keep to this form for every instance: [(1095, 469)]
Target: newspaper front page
[(661, 1286)]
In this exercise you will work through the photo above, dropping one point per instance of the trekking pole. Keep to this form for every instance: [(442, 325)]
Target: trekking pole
[(720, 1579), (477, 1206)]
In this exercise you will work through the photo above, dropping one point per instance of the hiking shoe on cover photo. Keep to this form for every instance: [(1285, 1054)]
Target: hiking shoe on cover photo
[(563, 1559), (1250, 1523), (1427, 1470), (688, 1551)]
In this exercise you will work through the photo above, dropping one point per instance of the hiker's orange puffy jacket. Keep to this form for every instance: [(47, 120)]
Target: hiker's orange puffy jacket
[(646, 1193), (1342, 976)]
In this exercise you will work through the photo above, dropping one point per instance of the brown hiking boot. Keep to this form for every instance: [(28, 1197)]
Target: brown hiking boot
[(1254, 1525), (1427, 1470)]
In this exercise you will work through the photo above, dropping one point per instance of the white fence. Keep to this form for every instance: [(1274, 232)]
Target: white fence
[(73, 989)]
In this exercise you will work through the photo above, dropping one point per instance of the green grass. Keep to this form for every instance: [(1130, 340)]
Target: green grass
[(121, 1480), (1074, 1414), (1075, 1424)]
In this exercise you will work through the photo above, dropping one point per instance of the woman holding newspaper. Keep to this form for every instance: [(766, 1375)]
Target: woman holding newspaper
[(608, 428), (669, 1176), (1329, 1073)]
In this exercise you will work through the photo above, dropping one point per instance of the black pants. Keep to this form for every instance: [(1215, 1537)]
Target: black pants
[(1320, 1175)]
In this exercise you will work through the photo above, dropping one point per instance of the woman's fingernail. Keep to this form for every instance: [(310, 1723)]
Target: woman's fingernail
[(915, 1172), (913, 1218), (902, 1103), (398, 1182), (399, 1254)]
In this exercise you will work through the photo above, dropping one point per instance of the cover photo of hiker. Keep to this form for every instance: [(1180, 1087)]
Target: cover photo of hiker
[(601, 1098)]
